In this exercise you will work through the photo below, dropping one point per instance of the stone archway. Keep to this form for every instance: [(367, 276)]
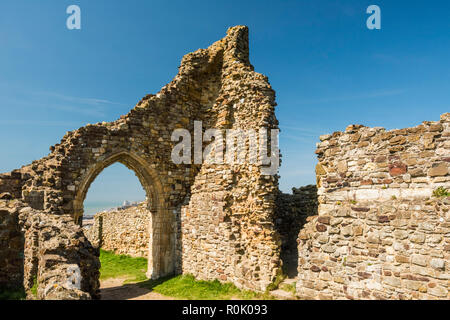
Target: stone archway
[(162, 226)]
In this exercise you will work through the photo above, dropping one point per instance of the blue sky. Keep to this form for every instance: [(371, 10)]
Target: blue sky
[(327, 68)]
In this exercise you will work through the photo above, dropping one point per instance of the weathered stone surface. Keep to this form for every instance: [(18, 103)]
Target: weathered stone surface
[(397, 169), (123, 231), (292, 212), (54, 251), (388, 235), (438, 169)]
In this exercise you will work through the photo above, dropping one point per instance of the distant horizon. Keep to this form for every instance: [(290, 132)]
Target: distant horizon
[(92, 209)]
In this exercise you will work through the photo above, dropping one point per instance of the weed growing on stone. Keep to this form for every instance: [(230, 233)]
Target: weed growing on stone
[(289, 288), (34, 287), (276, 283), (441, 192)]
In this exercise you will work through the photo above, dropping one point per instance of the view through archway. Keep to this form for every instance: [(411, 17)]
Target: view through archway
[(116, 214), (116, 186), (118, 220)]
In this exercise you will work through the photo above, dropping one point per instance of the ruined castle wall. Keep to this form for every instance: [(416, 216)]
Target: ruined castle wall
[(292, 212), (290, 216), (217, 86), (11, 185), (12, 247), (67, 263), (49, 250), (227, 229), (380, 232), (123, 231)]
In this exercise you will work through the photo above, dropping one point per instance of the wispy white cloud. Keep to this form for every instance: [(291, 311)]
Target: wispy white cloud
[(79, 100), (310, 139), (27, 102), (300, 130), (367, 95), (55, 101), (38, 123)]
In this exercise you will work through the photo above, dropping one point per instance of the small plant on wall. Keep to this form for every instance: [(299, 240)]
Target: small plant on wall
[(441, 192)]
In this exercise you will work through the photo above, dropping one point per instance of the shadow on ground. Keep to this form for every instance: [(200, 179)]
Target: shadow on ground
[(116, 289)]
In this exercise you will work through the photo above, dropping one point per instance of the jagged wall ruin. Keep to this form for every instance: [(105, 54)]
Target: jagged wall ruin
[(47, 249), (226, 209), (380, 233)]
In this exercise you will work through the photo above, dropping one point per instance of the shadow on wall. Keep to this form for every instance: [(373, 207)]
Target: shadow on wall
[(12, 255), (290, 216)]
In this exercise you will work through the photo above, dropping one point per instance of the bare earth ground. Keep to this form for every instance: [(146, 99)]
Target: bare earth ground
[(114, 289)]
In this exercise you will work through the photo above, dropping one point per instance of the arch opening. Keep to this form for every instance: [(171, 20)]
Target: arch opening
[(160, 225)]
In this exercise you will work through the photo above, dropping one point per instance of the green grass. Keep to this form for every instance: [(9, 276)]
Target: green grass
[(34, 287), (289, 288), (12, 294), (188, 288), (278, 280), (122, 266), (179, 287)]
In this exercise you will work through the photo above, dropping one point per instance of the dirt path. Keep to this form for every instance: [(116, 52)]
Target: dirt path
[(114, 289)]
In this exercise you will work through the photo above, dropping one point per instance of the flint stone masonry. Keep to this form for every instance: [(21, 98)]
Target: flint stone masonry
[(215, 222), (291, 214), (12, 241), (49, 249), (122, 231), (379, 233)]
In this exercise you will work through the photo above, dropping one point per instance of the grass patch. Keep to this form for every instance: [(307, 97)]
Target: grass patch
[(34, 287), (289, 288), (122, 266), (180, 287), (13, 294), (276, 283), (188, 288)]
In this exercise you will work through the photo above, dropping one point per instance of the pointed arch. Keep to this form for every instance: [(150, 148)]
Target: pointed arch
[(161, 256)]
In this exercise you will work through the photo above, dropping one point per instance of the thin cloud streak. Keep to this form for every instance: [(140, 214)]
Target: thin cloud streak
[(305, 132), (89, 101), (298, 138), (373, 95), (90, 110), (38, 123)]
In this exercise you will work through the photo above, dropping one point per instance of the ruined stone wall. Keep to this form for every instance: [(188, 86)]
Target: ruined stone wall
[(226, 208), (11, 185), (290, 216), (12, 247), (122, 231), (227, 228), (49, 250), (380, 232)]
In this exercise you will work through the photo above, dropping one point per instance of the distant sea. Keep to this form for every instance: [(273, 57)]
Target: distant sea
[(91, 208)]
